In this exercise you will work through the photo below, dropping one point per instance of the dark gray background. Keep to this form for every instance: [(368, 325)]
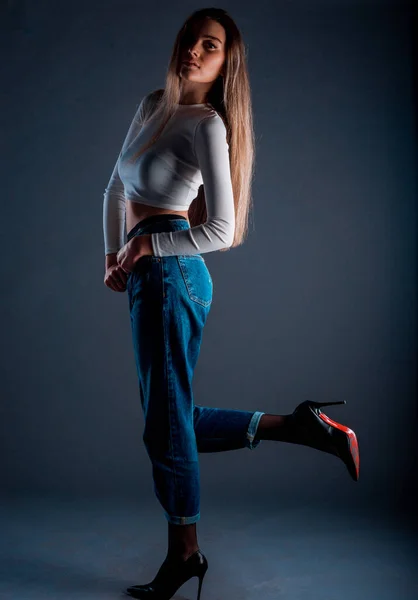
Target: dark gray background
[(319, 303)]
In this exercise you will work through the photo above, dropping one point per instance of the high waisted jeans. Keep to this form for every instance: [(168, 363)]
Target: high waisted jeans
[(169, 301)]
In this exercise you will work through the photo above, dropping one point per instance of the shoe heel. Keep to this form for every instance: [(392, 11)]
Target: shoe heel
[(200, 585), (319, 404)]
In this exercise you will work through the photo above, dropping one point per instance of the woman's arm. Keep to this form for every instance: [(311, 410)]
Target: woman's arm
[(212, 154), (114, 202)]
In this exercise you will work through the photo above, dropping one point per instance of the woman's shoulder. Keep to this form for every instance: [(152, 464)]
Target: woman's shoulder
[(155, 95), (149, 101), (211, 129), (212, 120), (215, 116)]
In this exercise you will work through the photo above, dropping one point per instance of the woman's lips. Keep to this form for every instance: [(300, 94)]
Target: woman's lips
[(190, 65)]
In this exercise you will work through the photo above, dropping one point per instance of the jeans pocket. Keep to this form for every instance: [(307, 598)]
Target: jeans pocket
[(196, 278)]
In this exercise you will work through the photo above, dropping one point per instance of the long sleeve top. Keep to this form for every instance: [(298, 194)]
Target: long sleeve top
[(192, 150)]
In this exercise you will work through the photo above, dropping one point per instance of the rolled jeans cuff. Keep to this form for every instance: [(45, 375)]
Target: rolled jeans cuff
[(252, 430), (182, 520)]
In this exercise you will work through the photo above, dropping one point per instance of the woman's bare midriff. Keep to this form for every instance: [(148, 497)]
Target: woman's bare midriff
[(135, 212)]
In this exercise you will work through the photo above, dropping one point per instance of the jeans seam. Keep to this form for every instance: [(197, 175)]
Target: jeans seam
[(168, 379)]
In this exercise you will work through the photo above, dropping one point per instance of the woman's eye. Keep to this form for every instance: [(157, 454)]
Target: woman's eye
[(212, 44)]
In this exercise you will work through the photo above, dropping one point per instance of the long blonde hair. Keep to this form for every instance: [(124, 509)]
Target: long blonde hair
[(230, 96)]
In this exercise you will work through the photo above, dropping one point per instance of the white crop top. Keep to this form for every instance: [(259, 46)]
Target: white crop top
[(192, 150)]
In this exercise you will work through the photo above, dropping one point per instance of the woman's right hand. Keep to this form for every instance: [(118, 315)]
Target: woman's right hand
[(115, 277)]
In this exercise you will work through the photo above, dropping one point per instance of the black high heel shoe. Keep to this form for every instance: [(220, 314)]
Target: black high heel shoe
[(172, 574), (313, 428)]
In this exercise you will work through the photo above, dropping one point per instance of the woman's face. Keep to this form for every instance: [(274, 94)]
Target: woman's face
[(205, 45)]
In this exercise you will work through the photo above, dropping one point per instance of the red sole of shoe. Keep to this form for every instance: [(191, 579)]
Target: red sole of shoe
[(354, 451)]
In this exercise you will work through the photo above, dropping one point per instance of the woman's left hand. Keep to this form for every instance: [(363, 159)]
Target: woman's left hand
[(132, 251)]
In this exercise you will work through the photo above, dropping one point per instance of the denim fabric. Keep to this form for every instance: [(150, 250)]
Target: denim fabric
[(169, 301)]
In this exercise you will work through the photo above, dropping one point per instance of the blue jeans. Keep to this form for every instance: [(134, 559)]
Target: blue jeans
[(169, 301)]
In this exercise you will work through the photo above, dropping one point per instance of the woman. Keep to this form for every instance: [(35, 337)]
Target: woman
[(198, 130)]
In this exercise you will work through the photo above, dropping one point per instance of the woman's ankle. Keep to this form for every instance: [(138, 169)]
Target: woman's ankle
[(183, 554), (274, 427)]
